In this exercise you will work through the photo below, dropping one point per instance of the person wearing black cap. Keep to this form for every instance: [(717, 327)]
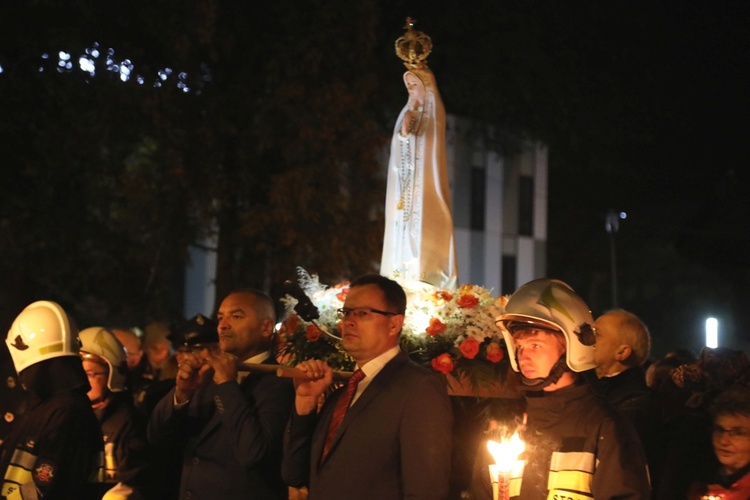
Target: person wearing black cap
[(199, 332), (232, 426)]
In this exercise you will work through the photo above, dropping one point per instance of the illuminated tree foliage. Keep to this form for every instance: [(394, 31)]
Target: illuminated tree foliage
[(275, 138)]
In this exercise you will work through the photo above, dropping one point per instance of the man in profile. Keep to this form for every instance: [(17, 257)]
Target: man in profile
[(576, 445), (230, 424), (622, 347)]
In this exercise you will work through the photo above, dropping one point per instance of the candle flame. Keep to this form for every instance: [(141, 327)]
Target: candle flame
[(506, 452)]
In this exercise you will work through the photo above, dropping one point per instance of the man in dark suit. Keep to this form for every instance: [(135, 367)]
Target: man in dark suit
[(394, 440), (231, 426)]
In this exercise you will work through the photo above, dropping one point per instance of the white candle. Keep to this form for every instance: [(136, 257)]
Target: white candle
[(505, 454)]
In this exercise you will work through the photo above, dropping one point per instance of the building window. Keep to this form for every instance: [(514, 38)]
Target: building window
[(526, 208), (508, 285), (478, 189)]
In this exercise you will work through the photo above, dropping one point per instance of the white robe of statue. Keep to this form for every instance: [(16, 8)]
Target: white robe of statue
[(419, 241)]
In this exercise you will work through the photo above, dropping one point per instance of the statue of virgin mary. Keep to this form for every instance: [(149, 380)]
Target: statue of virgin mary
[(419, 243)]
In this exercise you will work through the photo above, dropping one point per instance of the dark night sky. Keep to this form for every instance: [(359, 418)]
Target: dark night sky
[(645, 108)]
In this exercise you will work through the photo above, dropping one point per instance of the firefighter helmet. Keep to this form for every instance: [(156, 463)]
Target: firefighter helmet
[(100, 345), (552, 305), (42, 331)]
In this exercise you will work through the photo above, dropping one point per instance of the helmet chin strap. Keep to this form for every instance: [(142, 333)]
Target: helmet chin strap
[(538, 384), (101, 400)]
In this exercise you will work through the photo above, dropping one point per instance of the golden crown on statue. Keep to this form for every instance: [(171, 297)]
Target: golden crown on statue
[(413, 47)]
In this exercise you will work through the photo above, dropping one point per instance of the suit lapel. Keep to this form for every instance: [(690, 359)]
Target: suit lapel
[(381, 381)]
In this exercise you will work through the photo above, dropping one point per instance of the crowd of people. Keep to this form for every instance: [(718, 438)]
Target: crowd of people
[(198, 411)]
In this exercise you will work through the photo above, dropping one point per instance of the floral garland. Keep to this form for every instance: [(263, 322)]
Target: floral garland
[(452, 332)]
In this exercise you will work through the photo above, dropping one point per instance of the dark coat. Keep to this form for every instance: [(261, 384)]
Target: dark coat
[(232, 434), (576, 447), (628, 393), (55, 447), (394, 442), (127, 456)]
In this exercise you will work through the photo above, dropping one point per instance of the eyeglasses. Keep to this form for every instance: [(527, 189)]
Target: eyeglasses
[(361, 312), (734, 432)]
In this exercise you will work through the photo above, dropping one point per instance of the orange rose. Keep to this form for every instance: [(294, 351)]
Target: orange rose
[(312, 333), (443, 295), (469, 348), (494, 352), (467, 301), (291, 323), (442, 363), (342, 294), (436, 327)]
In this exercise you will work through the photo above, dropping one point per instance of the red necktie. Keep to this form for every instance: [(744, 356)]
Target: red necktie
[(341, 406)]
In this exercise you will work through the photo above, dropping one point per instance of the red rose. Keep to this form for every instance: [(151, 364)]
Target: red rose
[(469, 348), (291, 323), (443, 363), (467, 301), (494, 352), (443, 295), (436, 327), (312, 333)]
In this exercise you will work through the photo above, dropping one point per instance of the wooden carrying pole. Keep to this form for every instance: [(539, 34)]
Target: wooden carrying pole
[(288, 371)]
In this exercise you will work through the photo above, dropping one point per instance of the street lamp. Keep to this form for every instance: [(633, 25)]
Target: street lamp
[(712, 333), (612, 225)]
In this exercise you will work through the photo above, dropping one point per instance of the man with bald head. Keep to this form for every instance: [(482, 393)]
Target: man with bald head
[(231, 423), (623, 344)]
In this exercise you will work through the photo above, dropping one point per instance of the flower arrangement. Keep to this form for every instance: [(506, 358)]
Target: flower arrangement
[(452, 332)]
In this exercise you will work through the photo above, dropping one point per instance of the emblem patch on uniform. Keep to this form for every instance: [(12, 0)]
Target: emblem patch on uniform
[(44, 473), (11, 382), (9, 417)]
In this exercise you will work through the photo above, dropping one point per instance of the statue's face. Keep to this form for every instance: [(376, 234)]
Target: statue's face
[(415, 87)]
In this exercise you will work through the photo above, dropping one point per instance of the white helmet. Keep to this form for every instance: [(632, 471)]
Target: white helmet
[(551, 304), (100, 345), (42, 331)]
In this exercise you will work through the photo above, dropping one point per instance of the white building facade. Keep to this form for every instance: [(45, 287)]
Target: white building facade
[(499, 210)]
